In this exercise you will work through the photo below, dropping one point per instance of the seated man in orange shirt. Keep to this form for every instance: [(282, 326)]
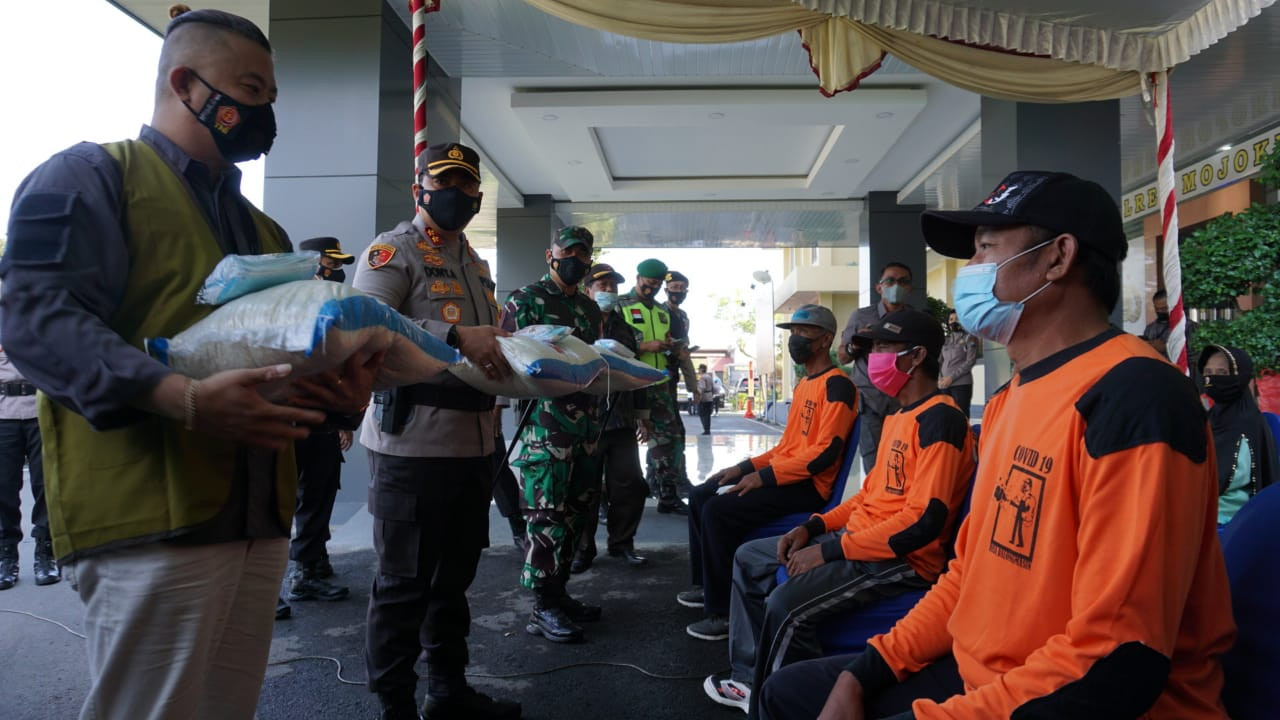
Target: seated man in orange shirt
[(1088, 581), (795, 476), (884, 541)]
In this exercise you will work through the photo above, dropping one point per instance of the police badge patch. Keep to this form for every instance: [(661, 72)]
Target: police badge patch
[(380, 255)]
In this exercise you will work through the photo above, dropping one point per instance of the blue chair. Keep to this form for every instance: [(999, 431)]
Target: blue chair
[(1251, 548), (849, 633), (786, 523)]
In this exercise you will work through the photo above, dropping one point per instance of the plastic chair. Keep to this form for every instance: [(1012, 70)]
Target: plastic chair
[(848, 633), (786, 523), (1251, 548)]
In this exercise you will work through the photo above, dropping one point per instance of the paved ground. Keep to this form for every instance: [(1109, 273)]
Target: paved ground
[(42, 674)]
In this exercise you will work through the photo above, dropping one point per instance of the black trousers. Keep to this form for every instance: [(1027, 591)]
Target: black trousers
[(506, 491), (624, 493), (20, 444), (430, 522), (799, 691), (963, 395), (319, 475), (704, 413), (719, 523)]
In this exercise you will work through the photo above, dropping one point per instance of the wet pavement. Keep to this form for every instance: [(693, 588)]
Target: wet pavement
[(43, 671)]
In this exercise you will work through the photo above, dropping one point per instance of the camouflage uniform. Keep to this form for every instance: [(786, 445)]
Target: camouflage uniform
[(556, 461), (681, 364), (666, 439)]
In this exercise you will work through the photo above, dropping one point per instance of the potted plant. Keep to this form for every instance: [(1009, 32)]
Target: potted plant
[(1231, 257)]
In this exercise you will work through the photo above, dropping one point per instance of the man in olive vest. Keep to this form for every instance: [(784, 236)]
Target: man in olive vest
[(652, 325), (169, 498), (430, 449)]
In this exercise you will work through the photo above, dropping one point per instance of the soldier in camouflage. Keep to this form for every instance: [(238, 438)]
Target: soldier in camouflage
[(556, 462), (677, 286), (652, 325)]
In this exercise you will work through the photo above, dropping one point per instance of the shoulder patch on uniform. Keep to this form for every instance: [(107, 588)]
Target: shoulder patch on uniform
[(380, 254), (1141, 401), (451, 312), (40, 228), (840, 389), (942, 423)]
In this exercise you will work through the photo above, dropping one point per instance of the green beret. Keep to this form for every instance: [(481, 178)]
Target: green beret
[(652, 268)]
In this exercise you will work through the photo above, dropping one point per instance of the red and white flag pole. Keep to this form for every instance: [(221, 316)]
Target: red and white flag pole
[(418, 9), (1165, 177)]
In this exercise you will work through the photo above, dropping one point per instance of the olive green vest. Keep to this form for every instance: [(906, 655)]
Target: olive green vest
[(152, 479), (654, 323)]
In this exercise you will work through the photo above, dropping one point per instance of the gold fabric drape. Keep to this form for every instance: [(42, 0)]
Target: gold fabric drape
[(843, 51)]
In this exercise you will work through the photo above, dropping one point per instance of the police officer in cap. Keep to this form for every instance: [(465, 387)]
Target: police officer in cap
[(331, 257), (429, 449)]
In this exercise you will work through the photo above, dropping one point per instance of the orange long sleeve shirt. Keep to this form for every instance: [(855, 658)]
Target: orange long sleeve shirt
[(909, 502), (823, 411), (1088, 580)]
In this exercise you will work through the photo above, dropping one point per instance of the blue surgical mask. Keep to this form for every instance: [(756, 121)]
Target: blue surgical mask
[(978, 308), (606, 300)]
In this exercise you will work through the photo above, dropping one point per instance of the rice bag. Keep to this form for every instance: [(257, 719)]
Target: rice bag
[(624, 372), (314, 326), (540, 368), (238, 275)]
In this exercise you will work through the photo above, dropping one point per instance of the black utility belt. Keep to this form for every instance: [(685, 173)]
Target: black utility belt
[(17, 389), (449, 398)]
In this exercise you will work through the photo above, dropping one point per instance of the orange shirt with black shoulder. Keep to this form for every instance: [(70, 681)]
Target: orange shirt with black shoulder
[(823, 410), (908, 504), (1088, 580)]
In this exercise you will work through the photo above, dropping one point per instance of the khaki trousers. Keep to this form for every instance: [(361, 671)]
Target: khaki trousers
[(178, 631)]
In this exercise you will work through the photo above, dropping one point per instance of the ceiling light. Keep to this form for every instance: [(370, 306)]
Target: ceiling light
[(884, 115), (716, 115), (1224, 148), (549, 117)]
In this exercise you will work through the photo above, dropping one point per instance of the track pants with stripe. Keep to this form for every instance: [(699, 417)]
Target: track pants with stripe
[(772, 624)]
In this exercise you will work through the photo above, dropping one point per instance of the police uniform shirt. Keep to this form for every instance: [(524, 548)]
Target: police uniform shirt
[(437, 284)]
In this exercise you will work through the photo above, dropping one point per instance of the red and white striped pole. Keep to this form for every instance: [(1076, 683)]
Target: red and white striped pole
[(419, 9), (1165, 177)]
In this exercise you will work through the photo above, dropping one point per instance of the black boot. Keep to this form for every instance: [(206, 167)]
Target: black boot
[(306, 584), (519, 533), (284, 610), (324, 568), (46, 568), (549, 620), (469, 705), (398, 706), (579, 611), (8, 566)]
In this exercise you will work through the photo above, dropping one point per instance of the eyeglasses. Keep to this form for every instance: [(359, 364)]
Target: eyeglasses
[(891, 281)]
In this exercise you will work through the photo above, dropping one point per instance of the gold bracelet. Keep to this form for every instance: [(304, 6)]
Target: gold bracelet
[(189, 402)]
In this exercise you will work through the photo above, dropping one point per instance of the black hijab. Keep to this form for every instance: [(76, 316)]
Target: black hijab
[(1234, 415)]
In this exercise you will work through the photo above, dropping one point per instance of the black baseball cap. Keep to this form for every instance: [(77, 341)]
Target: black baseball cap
[(1055, 201), (677, 276), (908, 326), (437, 159)]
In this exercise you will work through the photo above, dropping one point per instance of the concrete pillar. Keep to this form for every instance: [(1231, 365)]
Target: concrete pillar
[(1080, 138), (892, 234), (524, 235), (343, 162)]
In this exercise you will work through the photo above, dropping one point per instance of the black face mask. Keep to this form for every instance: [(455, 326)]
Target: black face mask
[(800, 348), (645, 291), (1224, 389), (241, 132), (1162, 317), (325, 273), (570, 269), (450, 207), (955, 327), (677, 298)]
